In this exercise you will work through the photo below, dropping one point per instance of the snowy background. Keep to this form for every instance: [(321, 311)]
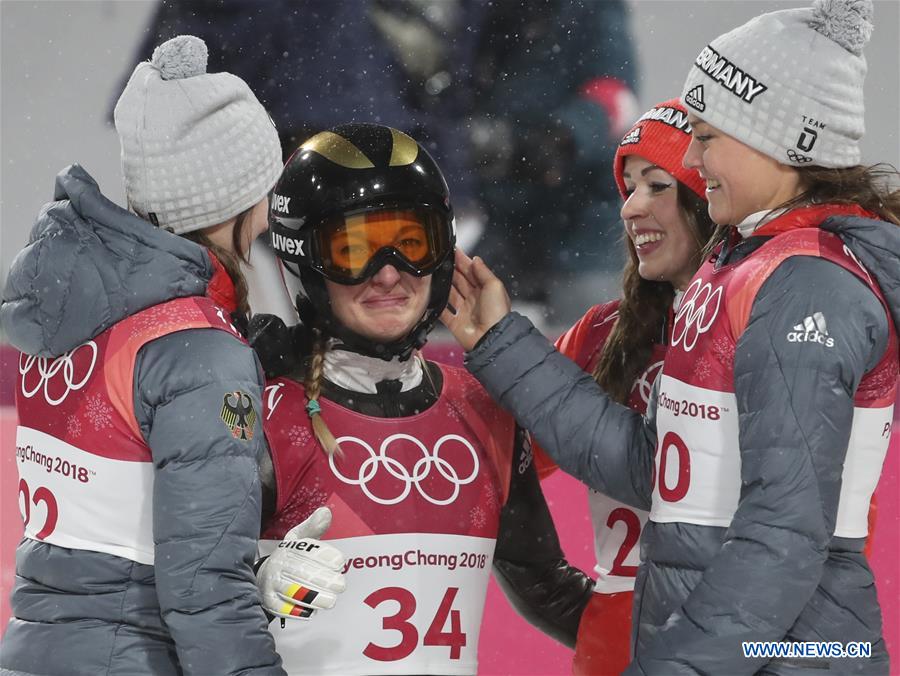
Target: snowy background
[(62, 61)]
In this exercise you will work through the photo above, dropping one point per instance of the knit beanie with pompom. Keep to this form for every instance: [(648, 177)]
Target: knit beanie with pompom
[(789, 83), (197, 148)]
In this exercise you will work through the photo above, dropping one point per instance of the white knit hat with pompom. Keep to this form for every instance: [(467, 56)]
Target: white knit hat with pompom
[(789, 83), (197, 148)]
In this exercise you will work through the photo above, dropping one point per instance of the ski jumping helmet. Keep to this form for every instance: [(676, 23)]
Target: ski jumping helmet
[(343, 209)]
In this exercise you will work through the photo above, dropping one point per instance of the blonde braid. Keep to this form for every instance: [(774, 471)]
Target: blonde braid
[(426, 373), (313, 385)]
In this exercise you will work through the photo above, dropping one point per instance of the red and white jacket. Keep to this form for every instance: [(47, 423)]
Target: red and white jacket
[(85, 469)]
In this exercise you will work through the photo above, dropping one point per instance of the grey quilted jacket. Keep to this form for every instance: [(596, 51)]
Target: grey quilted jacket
[(89, 264), (776, 573)]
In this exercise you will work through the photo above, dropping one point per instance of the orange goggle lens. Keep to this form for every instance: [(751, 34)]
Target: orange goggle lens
[(351, 243)]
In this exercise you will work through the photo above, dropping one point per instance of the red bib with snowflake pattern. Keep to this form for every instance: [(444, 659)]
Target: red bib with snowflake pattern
[(85, 470), (697, 476), (416, 505)]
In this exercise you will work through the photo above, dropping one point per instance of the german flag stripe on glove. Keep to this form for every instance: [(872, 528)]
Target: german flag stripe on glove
[(302, 594)]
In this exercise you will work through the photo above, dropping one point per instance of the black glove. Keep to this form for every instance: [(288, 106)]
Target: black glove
[(529, 564), (281, 349)]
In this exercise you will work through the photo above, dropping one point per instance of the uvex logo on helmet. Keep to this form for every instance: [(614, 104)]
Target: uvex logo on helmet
[(281, 204), (287, 244)]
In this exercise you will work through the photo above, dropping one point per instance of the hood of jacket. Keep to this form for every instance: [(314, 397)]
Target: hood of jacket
[(88, 264), (877, 246)]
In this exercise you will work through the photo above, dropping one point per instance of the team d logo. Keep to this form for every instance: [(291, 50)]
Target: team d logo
[(807, 139), (238, 414), (698, 311)]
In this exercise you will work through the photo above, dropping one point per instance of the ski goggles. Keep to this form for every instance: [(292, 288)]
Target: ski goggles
[(352, 247)]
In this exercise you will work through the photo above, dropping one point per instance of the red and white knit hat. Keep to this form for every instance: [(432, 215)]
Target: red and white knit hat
[(660, 136)]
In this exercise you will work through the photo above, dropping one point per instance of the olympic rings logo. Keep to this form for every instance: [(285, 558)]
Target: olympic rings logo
[(48, 368), (794, 156), (371, 465), (695, 316), (644, 384)]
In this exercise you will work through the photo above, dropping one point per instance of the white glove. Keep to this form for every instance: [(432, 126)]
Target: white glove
[(303, 574)]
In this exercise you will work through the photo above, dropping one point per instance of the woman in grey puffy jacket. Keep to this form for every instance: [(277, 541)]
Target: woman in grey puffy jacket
[(768, 426), (138, 400)]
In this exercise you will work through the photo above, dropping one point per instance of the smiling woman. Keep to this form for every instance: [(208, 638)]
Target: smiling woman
[(762, 450), (740, 180), (667, 247), (622, 343)]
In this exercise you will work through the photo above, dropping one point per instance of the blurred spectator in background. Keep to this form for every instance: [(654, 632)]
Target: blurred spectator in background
[(554, 86), (316, 64), (521, 103)]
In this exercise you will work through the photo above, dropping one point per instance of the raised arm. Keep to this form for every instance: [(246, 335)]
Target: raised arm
[(607, 446)]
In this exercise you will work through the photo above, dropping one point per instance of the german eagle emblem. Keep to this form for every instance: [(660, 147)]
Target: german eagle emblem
[(238, 415)]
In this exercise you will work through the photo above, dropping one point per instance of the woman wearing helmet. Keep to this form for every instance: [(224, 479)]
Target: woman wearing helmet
[(412, 458)]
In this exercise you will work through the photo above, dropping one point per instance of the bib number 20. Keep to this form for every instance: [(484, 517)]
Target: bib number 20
[(435, 635)]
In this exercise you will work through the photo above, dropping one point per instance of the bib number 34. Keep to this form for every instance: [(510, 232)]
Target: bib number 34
[(454, 637)]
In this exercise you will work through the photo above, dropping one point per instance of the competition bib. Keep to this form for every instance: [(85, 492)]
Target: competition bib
[(697, 476), (413, 605), (75, 499), (617, 532)]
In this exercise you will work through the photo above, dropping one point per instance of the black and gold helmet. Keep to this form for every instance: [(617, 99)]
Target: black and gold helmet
[(353, 199)]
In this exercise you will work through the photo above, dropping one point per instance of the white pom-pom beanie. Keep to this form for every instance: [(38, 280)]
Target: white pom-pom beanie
[(789, 83), (197, 148)]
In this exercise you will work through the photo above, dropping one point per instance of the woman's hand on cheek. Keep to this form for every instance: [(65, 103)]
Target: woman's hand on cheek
[(478, 300)]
